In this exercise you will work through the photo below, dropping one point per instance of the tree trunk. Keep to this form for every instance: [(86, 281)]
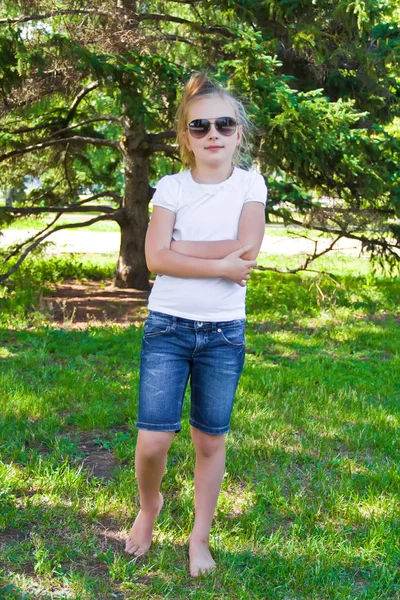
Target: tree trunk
[(131, 270)]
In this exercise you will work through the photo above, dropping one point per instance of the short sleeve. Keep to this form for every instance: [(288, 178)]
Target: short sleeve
[(257, 191), (166, 194)]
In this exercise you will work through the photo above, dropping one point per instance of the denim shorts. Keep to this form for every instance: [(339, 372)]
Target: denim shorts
[(176, 349)]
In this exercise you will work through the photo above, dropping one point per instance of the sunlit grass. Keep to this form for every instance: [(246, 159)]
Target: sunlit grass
[(309, 507)]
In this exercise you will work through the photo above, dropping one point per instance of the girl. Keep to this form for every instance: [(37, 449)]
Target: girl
[(205, 233)]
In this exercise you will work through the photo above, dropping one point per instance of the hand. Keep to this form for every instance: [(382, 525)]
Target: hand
[(235, 268)]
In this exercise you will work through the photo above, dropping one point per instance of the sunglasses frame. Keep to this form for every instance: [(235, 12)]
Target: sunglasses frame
[(218, 127)]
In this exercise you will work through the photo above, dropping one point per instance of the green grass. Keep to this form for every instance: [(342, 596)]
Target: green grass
[(309, 508)]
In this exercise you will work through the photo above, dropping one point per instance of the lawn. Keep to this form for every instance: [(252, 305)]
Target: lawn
[(309, 507)]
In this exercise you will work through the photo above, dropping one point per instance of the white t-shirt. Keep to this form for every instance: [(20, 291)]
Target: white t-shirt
[(204, 212)]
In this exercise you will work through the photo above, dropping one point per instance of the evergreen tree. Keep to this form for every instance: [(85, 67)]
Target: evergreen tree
[(88, 97)]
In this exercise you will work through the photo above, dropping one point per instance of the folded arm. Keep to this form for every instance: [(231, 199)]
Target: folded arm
[(161, 259), (250, 233)]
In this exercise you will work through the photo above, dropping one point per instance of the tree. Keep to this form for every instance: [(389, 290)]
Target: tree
[(89, 96), (329, 124)]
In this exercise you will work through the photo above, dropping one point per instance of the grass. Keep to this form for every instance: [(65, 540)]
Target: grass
[(309, 508)]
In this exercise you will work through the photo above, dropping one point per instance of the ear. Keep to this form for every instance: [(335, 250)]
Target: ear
[(239, 134)]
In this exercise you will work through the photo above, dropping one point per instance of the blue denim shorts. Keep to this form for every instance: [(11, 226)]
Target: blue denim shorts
[(176, 349)]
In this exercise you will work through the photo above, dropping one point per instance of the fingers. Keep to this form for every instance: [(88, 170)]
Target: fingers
[(242, 250)]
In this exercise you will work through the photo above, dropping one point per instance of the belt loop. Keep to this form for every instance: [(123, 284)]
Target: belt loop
[(214, 326), (173, 326)]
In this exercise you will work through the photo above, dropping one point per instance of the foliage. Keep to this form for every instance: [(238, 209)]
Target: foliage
[(321, 81)]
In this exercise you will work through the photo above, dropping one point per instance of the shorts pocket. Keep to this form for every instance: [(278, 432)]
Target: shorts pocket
[(233, 336), (152, 328)]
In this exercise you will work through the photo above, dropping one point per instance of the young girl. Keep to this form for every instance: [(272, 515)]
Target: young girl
[(205, 233)]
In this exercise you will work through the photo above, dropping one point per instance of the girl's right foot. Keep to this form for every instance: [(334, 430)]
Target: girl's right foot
[(200, 559), (141, 534)]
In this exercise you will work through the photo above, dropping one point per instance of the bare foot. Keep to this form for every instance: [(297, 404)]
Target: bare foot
[(200, 558), (141, 534)]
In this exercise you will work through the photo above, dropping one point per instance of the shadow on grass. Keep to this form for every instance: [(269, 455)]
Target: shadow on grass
[(57, 380), (315, 423), (272, 568)]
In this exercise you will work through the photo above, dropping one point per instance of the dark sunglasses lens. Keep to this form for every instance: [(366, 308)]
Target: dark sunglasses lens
[(226, 125), (199, 127)]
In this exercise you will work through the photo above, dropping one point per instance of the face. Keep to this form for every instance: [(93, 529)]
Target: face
[(214, 149)]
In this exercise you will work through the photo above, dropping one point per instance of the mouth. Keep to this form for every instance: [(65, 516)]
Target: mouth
[(213, 147)]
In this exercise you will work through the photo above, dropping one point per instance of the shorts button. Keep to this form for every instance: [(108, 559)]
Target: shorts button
[(219, 331), (200, 323)]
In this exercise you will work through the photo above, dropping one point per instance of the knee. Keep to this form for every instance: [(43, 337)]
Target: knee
[(208, 445), (153, 444)]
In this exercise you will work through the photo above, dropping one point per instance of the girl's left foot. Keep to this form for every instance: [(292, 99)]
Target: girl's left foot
[(200, 559)]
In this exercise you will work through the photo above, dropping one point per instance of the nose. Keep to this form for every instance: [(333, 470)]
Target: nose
[(213, 131)]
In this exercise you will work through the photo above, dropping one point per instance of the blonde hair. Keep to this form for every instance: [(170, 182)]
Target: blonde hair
[(199, 86)]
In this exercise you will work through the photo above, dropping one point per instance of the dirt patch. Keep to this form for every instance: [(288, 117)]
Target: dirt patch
[(378, 318), (11, 535), (110, 534), (76, 304), (97, 460)]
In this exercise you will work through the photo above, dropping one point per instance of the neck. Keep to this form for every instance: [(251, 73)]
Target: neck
[(206, 174)]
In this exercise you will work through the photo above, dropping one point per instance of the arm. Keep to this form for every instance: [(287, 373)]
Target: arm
[(160, 259), (250, 233)]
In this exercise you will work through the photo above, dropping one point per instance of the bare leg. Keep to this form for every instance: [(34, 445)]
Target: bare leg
[(150, 460), (208, 475)]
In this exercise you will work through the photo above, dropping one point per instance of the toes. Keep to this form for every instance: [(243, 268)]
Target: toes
[(131, 548), (197, 571), (141, 550)]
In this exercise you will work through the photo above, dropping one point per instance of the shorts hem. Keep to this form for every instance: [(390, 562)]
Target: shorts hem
[(155, 427), (210, 430)]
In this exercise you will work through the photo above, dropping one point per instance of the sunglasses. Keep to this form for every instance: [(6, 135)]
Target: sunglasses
[(200, 127)]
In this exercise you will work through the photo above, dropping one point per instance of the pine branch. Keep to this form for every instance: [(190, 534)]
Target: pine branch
[(75, 207), (179, 38), (65, 164), (196, 26), (78, 98), (105, 194), (310, 258), (93, 120), (163, 135), (38, 210), (40, 239), (56, 13), (366, 242), (48, 125), (51, 124), (31, 239), (169, 150), (73, 140), (138, 17)]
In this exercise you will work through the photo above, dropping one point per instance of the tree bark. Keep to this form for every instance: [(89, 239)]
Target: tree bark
[(131, 270)]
